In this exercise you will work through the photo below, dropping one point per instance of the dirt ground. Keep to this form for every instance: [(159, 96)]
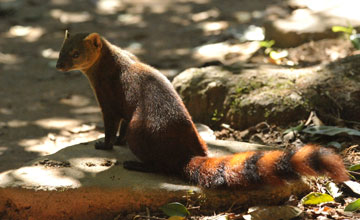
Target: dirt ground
[(43, 110)]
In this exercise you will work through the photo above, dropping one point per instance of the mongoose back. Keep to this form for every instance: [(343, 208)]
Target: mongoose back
[(160, 131)]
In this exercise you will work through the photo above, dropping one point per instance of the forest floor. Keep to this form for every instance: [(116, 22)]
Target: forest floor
[(43, 110)]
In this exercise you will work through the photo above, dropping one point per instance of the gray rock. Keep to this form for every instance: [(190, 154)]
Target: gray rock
[(214, 95), (203, 91), (247, 96)]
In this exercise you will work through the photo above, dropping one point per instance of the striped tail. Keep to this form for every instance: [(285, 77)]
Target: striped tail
[(253, 168)]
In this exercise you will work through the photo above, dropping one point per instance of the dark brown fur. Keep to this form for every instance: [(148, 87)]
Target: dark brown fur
[(160, 131)]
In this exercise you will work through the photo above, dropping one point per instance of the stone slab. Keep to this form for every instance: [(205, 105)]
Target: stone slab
[(79, 182)]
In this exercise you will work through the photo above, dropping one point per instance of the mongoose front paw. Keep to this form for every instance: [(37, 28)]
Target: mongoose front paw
[(100, 145)]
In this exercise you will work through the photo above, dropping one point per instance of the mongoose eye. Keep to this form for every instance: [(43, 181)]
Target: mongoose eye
[(76, 54)]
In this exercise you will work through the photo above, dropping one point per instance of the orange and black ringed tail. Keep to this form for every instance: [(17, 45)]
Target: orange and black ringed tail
[(254, 168)]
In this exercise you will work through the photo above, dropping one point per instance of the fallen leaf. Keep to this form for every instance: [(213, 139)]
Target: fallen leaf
[(354, 186), (315, 198), (175, 209), (354, 167), (330, 130), (353, 206), (278, 55), (176, 218), (273, 212), (333, 190)]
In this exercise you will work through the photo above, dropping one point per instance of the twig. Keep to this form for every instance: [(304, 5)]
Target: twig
[(309, 118), (194, 207), (353, 172), (227, 127), (148, 213)]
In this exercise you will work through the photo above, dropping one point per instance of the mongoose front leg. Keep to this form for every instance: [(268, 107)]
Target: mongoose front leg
[(111, 123)]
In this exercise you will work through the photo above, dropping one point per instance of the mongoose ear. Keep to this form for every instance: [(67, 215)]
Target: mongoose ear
[(95, 39)]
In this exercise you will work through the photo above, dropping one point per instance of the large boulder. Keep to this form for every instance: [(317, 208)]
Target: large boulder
[(243, 97)]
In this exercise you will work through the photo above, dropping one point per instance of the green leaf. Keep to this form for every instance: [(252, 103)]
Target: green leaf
[(355, 40), (175, 209), (330, 130), (297, 128), (354, 167), (356, 43), (353, 206), (316, 198), (267, 43), (347, 30)]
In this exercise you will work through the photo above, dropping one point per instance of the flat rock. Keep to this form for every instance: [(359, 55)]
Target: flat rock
[(79, 182), (312, 20)]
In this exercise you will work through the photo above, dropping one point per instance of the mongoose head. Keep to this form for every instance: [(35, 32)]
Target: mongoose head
[(79, 52)]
